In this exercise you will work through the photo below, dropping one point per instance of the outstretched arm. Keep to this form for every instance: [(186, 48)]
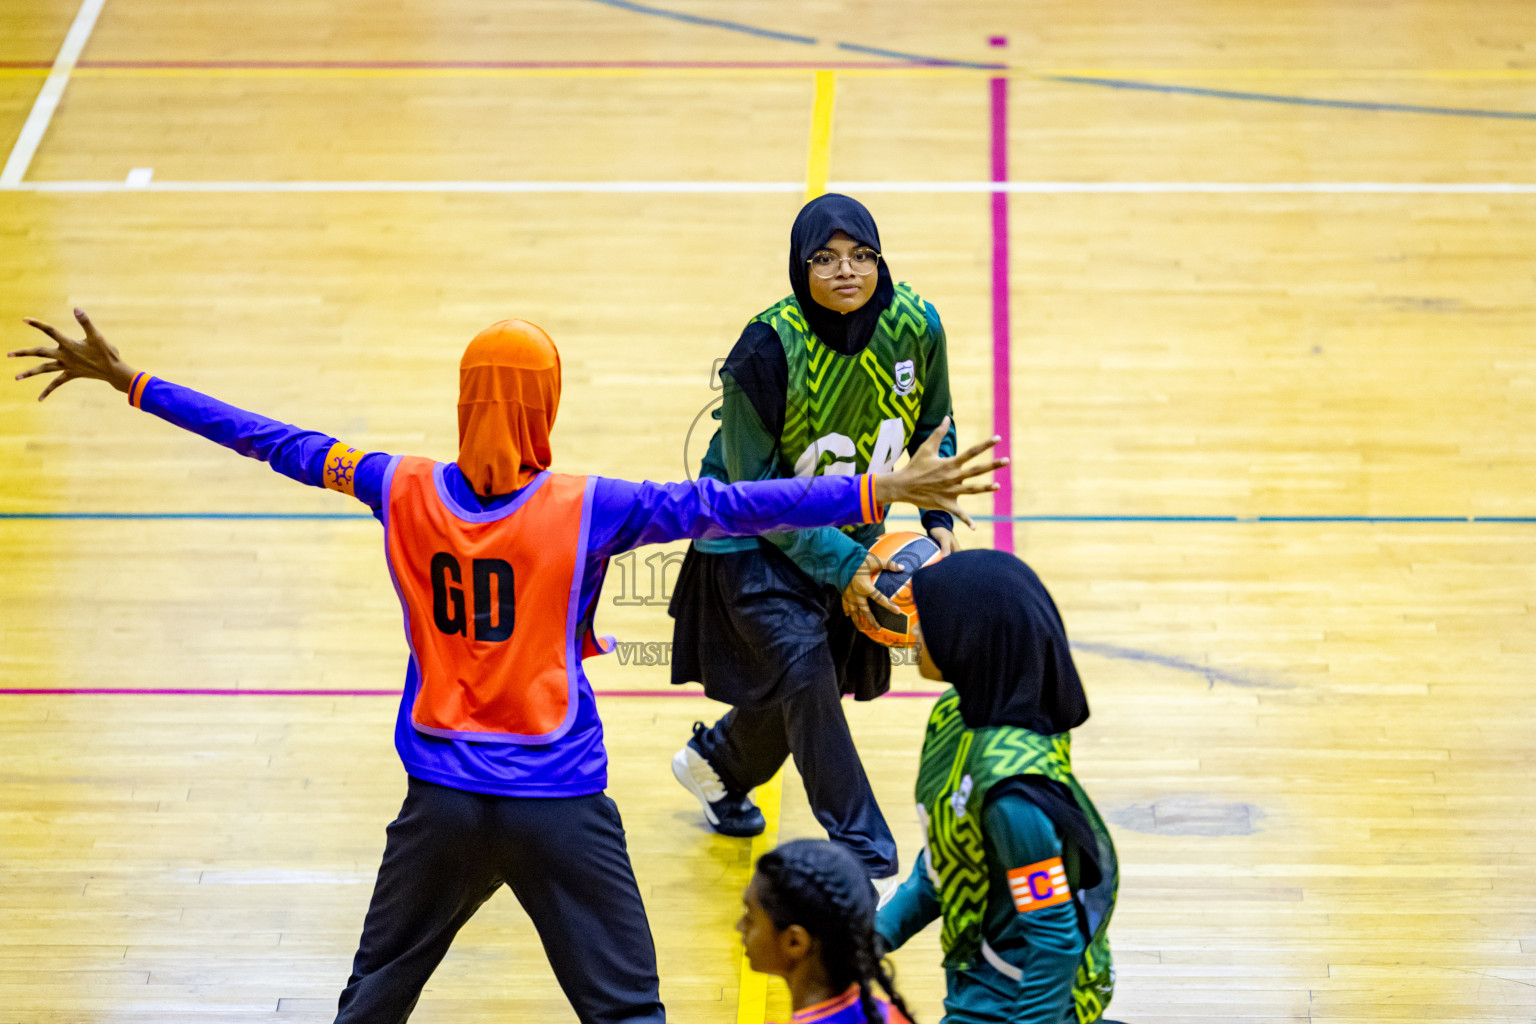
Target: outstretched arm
[(627, 515), (307, 456)]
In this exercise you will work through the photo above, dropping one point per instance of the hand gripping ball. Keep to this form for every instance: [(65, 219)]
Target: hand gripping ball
[(910, 551)]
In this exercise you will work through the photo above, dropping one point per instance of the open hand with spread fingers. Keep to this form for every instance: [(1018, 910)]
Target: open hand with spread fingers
[(929, 480), (89, 358)]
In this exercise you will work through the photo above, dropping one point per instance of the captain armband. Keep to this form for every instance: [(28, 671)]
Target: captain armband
[(1037, 886), (340, 472)]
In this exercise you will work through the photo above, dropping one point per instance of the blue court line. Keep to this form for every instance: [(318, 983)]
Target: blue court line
[(920, 59), (1245, 520), (787, 37), (1212, 675), (694, 19), (1299, 101)]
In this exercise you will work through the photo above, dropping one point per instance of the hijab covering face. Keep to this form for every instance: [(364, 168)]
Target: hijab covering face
[(509, 389), (842, 332), (994, 632)]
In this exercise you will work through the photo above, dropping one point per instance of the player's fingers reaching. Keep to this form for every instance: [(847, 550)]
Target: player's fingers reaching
[(90, 328), (980, 469), (53, 385), (51, 367), (93, 336), (38, 353), (48, 329), (90, 359), (976, 449)]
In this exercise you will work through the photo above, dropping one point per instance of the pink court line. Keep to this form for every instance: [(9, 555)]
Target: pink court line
[(1002, 397), (469, 65), (187, 691)]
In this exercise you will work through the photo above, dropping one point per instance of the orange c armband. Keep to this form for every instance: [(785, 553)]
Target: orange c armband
[(340, 473), (1037, 886)]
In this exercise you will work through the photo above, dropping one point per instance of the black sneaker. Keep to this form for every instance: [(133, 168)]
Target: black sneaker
[(729, 813)]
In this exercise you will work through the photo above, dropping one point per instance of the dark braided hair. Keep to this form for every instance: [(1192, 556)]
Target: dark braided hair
[(824, 889)]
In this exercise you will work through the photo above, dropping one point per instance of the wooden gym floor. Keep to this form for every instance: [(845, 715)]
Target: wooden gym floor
[(1270, 385)]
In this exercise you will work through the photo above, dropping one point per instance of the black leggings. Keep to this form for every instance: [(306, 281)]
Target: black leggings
[(749, 745), (565, 861)]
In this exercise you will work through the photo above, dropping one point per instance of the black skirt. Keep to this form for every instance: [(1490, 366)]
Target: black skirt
[(755, 630)]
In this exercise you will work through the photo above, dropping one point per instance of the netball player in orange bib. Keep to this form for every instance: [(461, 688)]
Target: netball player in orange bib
[(498, 564)]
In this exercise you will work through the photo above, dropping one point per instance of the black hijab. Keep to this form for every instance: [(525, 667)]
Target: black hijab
[(842, 332), (993, 630)]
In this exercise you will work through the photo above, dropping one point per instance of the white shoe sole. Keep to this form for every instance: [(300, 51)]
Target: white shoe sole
[(681, 773), (885, 888)]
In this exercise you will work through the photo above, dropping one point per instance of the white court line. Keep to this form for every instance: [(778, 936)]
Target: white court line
[(53, 90), (761, 187)]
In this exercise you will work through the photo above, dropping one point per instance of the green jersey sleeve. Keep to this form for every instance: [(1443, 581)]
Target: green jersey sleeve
[(1043, 942)]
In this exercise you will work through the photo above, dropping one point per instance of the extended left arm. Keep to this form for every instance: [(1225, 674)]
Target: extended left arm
[(307, 456), (627, 515)]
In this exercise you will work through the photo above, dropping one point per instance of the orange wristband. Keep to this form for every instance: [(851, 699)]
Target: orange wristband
[(136, 389), (871, 509)]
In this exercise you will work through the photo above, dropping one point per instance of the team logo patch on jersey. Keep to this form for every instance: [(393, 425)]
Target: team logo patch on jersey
[(1037, 886), (906, 376)]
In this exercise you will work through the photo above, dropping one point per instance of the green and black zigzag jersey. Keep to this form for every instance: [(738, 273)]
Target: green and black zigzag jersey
[(839, 414), (851, 414), (958, 767)]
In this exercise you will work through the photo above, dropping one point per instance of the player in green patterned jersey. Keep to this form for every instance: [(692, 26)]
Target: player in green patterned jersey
[(1017, 864), (842, 376)]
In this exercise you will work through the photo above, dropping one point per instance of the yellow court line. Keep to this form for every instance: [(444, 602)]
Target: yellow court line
[(752, 997), (818, 163), (752, 1000)]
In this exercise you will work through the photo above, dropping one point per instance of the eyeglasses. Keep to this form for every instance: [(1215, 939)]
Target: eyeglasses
[(827, 263)]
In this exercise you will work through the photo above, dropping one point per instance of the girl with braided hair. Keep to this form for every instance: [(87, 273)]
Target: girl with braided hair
[(810, 919)]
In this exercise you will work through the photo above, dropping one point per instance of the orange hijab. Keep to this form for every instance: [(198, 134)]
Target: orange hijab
[(509, 391)]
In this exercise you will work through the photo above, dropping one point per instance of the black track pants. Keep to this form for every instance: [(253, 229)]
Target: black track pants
[(565, 861)]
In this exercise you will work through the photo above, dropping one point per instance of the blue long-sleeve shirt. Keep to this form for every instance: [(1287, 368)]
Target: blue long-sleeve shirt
[(1040, 948), (624, 515)]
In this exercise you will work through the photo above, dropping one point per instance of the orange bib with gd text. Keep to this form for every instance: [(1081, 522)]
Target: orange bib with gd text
[(491, 603)]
